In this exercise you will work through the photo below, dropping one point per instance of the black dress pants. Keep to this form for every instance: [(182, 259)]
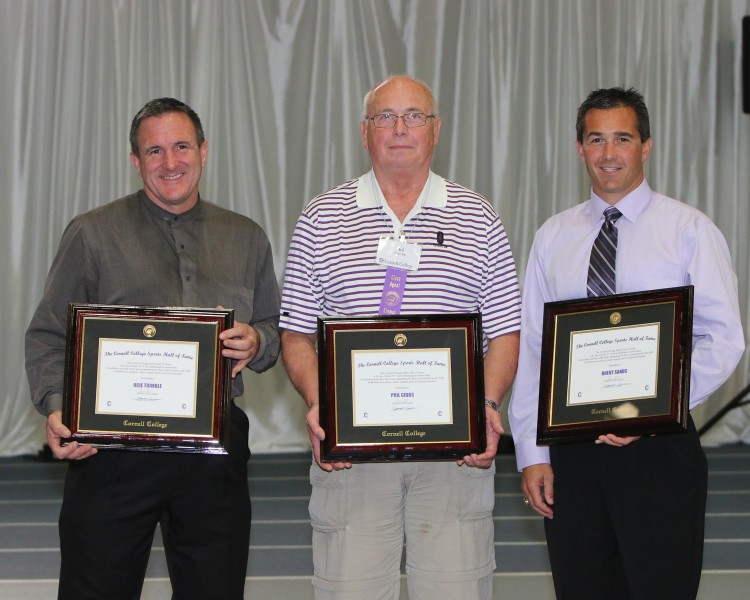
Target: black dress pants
[(628, 522), (114, 500)]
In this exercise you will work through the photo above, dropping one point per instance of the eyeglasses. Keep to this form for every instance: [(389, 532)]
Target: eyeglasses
[(388, 120)]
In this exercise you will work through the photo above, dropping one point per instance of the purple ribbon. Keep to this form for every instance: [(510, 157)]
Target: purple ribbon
[(393, 291)]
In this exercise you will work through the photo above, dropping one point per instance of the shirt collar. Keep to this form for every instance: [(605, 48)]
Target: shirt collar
[(630, 206), (437, 192), (165, 215)]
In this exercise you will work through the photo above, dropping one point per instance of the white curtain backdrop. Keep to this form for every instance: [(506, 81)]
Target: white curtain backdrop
[(279, 87)]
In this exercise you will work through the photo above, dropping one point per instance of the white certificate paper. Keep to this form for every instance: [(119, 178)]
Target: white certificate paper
[(607, 365), (147, 378), (402, 387)]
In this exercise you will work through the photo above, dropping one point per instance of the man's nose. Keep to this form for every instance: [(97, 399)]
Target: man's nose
[(400, 127)]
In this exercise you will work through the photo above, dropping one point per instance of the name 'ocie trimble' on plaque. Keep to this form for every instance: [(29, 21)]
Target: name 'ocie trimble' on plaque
[(148, 378)]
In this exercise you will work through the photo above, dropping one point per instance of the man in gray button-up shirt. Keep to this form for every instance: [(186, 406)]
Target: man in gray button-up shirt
[(162, 246)]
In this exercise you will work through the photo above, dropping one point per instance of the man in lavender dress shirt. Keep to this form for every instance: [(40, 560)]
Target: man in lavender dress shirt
[(624, 515)]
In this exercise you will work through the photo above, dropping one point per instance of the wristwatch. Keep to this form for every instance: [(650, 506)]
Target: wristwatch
[(492, 404)]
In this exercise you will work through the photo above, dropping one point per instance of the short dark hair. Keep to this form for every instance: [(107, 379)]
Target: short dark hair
[(616, 97), (162, 106)]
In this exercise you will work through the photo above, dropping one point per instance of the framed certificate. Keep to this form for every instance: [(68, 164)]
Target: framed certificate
[(146, 378), (401, 387), (615, 364)]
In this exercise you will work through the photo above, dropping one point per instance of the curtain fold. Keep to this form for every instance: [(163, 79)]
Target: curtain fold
[(279, 87)]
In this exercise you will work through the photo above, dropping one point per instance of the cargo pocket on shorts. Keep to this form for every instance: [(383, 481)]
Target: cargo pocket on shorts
[(327, 505), (479, 493)]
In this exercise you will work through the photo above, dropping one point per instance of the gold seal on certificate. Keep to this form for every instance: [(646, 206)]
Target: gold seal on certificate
[(147, 378), (615, 364), (401, 387)]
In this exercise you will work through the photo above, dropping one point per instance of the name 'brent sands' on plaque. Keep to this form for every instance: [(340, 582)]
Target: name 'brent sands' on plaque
[(615, 364)]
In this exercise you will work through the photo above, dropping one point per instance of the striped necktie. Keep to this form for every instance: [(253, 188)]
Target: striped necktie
[(601, 279)]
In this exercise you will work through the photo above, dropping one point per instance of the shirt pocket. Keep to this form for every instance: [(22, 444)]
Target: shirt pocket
[(237, 297), (654, 277)]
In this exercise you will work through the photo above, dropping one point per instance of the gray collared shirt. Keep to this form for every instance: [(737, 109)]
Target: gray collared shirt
[(132, 252)]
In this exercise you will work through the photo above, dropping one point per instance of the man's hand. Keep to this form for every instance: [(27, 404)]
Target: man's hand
[(301, 362), (537, 487), (240, 344), (317, 435), (494, 427), (612, 440), (499, 370), (56, 432)]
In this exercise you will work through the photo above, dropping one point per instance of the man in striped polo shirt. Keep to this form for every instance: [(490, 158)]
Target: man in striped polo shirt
[(456, 259)]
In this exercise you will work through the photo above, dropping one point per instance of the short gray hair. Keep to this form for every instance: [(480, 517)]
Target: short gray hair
[(370, 93)]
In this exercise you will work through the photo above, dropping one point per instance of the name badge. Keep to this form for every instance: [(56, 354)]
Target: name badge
[(398, 253)]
